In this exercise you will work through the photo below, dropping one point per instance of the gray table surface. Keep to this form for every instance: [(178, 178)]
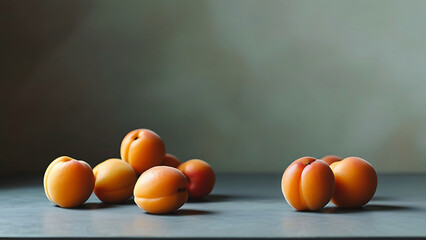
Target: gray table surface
[(240, 206)]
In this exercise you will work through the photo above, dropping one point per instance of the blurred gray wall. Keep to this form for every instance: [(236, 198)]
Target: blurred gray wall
[(249, 86)]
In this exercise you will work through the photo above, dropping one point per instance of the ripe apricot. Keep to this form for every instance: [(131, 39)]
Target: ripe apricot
[(356, 182), (114, 180), (142, 149), (161, 189), (329, 159), (171, 161), (308, 184), (201, 177), (68, 182)]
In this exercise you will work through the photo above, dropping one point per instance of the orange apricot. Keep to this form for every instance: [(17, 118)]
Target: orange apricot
[(201, 177), (161, 189), (114, 181), (329, 159), (142, 149), (171, 161), (68, 182), (356, 182), (308, 184)]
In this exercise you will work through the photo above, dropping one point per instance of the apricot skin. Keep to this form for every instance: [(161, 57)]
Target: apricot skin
[(114, 181), (142, 149), (161, 190), (68, 182), (171, 161), (308, 184), (356, 182), (201, 177), (329, 159)]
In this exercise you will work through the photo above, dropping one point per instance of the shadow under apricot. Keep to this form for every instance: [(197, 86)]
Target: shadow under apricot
[(366, 208), (91, 206), (130, 201), (185, 212)]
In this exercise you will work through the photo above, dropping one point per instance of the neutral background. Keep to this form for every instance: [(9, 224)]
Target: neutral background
[(249, 86)]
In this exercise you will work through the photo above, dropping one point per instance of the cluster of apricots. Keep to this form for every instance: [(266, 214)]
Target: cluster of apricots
[(308, 184), (159, 182)]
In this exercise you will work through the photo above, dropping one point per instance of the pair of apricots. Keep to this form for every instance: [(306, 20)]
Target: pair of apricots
[(163, 186), (308, 184)]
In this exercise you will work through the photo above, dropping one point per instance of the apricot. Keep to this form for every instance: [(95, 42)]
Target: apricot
[(68, 182), (329, 159), (308, 184), (161, 189), (201, 177), (171, 161), (142, 149), (114, 181), (356, 182)]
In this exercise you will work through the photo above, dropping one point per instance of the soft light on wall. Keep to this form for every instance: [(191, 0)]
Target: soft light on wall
[(247, 85)]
